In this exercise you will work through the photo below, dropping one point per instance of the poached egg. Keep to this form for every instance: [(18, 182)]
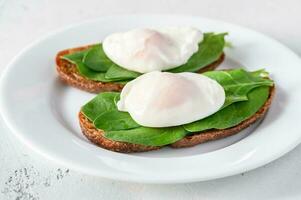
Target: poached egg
[(145, 50), (163, 99)]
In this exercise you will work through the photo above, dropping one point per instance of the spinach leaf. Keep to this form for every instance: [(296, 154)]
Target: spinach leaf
[(118, 73), (95, 65), (233, 114), (96, 59), (75, 57), (101, 103), (210, 49), (78, 55), (90, 74), (238, 83), (225, 118), (148, 136), (113, 120)]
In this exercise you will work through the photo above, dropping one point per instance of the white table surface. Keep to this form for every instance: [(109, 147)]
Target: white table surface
[(24, 175)]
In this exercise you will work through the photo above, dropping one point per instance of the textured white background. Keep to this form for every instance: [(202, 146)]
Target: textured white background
[(25, 175)]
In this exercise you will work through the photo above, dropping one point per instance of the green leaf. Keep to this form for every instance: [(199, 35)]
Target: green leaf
[(117, 73), (113, 120), (101, 103), (251, 88), (233, 114), (78, 55), (75, 57), (95, 65), (96, 59), (238, 83), (148, 136), (210, 50), (90, 74)]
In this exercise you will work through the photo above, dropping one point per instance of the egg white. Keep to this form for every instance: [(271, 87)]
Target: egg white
[(145, 50), (162, 99)]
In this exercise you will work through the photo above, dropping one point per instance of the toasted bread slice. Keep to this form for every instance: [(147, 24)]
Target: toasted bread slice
[(96, 135), (70, 75)]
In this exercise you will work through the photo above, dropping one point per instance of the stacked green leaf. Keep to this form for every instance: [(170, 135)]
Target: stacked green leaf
[(93, 63), (246, 92)]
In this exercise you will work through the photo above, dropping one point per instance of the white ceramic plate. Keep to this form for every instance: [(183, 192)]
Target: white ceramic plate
[(42, 112)]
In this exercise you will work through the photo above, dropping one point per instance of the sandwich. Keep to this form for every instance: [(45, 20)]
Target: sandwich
[(124, 56), (160, 109)]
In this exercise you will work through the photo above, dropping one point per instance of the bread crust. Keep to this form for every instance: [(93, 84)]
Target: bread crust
[(215, 134), (96, 136), (69, 74)]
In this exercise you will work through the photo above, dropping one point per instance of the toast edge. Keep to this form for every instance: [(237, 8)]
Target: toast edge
[(198, 138), (69, 74), (96, 136)]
